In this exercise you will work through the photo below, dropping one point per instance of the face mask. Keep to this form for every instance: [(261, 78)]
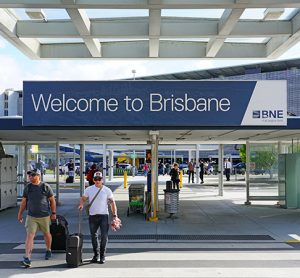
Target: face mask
[(35, 179)]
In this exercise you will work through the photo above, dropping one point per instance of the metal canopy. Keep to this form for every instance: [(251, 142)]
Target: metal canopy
[(154, 36)]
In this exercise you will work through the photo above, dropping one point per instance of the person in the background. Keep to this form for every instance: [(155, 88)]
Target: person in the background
[(71, 168), (227, 169), (191, 167), (40, 166), (202, 171), (39, 199), (174, 173), (90, 174)]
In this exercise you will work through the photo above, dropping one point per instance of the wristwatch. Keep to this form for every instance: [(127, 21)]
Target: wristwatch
[(115, 215), (53, 212)]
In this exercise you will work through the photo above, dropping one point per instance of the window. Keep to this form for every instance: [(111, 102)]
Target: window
[(5, 112), (5, 96), (5, 105)]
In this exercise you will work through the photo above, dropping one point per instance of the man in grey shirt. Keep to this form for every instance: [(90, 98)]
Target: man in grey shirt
[(39, 199)]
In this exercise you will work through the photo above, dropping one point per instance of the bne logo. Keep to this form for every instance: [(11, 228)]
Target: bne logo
[(267, 114)]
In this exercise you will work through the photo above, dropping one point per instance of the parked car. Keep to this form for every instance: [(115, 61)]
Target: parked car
[(125, 166), (184, 167), (63, 169), (239, 168)]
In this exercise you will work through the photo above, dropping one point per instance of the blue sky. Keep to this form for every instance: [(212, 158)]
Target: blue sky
[(16, 67)]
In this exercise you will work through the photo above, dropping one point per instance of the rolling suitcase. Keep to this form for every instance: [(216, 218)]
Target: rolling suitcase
[(59, 231), (74, 247)]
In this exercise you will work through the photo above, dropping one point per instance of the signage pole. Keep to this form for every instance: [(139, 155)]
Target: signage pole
[(197, 164), (82, 168), (57, 171), (220, 168), (247, 173)]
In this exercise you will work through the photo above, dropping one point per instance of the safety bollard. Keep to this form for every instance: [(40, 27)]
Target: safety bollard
[(180, 179), (125, 179)]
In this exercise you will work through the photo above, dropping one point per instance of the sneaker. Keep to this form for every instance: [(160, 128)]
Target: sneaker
[(94, 259), (48, 255), (26, 262), (102, 260)]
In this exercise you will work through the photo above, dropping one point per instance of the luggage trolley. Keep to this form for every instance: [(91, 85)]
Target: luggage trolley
[(136, 198)]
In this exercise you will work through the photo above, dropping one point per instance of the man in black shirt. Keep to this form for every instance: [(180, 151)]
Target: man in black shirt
[(38, 198)]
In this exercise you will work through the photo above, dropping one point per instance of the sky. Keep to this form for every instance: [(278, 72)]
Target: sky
[(16, 67)]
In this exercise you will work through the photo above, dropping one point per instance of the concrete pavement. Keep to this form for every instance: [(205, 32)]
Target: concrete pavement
[(211, 236)]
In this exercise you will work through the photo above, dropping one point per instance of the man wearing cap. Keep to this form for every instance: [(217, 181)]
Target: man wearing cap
[(98, 214), (38, 198)]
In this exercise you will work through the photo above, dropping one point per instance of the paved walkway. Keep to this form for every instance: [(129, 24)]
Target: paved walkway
[(211, 236)]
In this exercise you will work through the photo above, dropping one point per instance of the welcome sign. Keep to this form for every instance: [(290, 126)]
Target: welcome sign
[(154, 103)]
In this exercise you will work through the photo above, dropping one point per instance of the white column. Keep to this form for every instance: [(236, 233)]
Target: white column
[(82, 168), (104, 163), (247, 173), (220, 168), (57, 171), (25, 161), (174, 156), (190, 155), (197, 164), (133, 164), (111, 165)]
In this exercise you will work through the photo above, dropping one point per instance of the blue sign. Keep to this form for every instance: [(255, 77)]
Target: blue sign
[(149, 103)]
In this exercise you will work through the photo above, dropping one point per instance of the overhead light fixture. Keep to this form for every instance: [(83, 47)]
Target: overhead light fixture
[(36, 14), (273, 13)]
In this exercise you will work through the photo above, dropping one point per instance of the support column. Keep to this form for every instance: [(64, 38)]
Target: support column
[(104, 163), (133, 164), (111, 165), (220, 168), (247, 173), (190, 155), (280, 149), (174, 156), (57, 172), (154, 174), (25, 161), (82, 168), (197, 164)]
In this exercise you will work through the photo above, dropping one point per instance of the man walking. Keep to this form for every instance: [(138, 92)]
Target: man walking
[(201, 171), (227, 169), (40, 202), (98, 215), (191, 167)]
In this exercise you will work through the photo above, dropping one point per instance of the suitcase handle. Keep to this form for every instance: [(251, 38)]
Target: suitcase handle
[(79, 221)]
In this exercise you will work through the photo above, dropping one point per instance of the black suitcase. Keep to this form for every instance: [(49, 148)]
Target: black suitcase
[(74, 246), (74, 250), (59, 231), (70, 179)]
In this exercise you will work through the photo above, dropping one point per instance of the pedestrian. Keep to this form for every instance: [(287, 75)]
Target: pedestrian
[(202, 171), (90, 174), (100, 196), (174, 173), (227, 169), (40, 165), (39, 200), (71, 168), (191, 168)]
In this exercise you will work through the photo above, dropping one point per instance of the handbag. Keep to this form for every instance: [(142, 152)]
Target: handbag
[(88, 206)]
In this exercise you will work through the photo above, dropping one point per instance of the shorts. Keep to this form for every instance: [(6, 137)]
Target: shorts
[(33, 224)]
